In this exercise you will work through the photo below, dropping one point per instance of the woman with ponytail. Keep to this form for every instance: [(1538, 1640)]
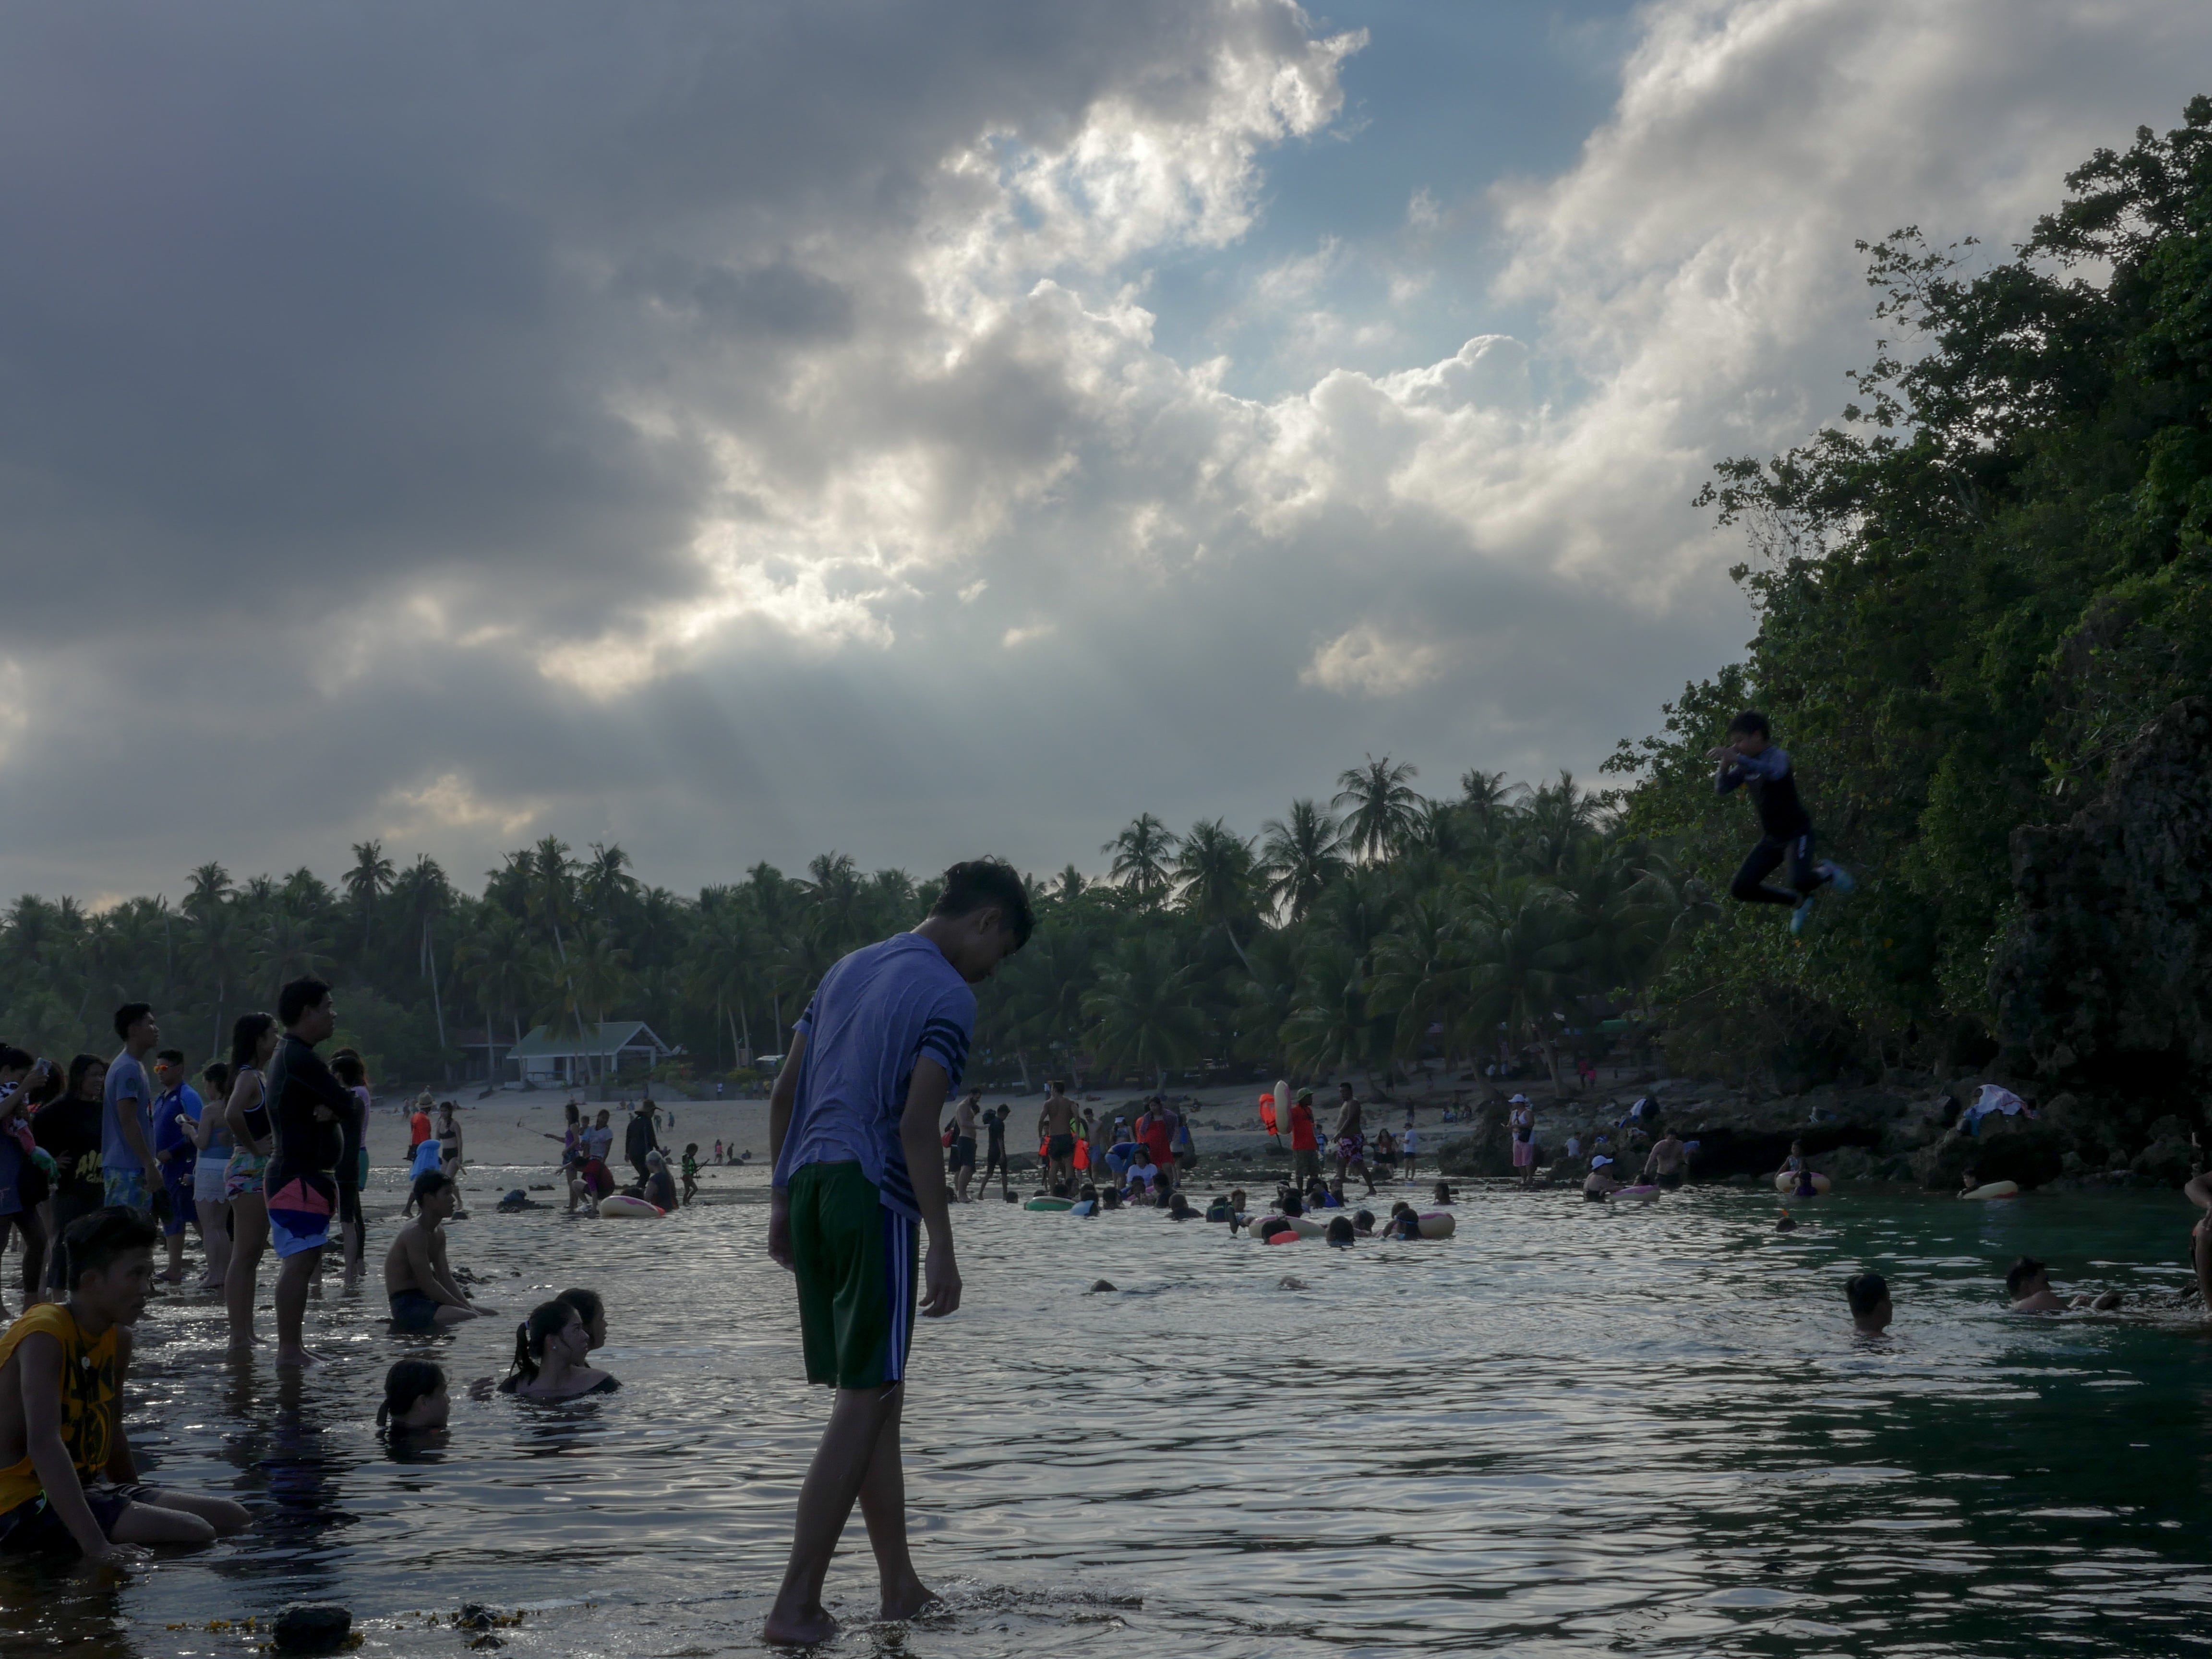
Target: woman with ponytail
[(549, 1351)]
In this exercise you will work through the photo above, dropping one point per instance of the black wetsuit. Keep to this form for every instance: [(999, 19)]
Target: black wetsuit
[(305, 1148), (1786, 830)]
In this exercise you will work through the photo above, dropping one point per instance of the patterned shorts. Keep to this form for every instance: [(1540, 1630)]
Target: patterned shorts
[(241, 1176)]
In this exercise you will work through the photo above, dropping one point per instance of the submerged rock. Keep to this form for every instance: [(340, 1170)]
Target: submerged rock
[(313, 1627), (1099, 1284)]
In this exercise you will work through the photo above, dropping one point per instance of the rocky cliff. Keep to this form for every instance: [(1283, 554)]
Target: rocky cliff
[(2103, 979)]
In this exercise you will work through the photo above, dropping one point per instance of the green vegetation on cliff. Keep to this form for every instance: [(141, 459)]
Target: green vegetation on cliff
[(1973, 595)]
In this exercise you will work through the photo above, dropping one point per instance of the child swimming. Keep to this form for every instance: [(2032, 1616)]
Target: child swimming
[(415, 1398)]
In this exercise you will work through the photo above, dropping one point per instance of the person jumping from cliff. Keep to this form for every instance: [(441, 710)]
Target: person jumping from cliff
[(1750, 759)]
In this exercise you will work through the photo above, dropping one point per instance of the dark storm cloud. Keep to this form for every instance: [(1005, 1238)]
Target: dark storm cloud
[(735, 429)]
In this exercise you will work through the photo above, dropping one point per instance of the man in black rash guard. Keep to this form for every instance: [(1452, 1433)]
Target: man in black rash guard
[(308, 1108), (1750, 760)]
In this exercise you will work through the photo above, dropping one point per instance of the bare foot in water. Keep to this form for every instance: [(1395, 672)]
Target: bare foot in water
[(298, 1357), (801, 1627), (906, 1601)]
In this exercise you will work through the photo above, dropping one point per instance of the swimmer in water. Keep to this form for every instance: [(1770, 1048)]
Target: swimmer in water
[(2028, 1281), (592, 1310), (1340, 1232), (415, 1398), (549, 1351), (1669, 1161), (1600, 1184), (1869, 1296)]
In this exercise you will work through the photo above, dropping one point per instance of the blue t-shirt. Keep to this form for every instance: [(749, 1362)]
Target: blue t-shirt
[(875, 1013), (171, 1136), (126, 1081)]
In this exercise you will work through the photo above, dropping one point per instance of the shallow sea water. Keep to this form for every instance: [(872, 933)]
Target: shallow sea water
[(1571, 1429)]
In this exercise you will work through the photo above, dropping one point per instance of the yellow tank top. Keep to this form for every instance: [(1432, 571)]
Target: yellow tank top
[(91, 1398)]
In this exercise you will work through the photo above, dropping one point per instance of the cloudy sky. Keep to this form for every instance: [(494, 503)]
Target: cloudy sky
[(741, 430)]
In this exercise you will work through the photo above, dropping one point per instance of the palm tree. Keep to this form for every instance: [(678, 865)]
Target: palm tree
[(290, 946), (1383, 806), (606, 879), (599, 969), (1300, 858), (1523, 949), (1214, 870), (1421, 974), (1070, 886), (369, 880), (720, 959), (1487, 795), (497, 963), (1331, 1027), (1143, 1014), (424, 895), (1141, 853)]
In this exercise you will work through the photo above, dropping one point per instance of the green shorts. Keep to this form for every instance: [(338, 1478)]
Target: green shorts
[(857, 1264)]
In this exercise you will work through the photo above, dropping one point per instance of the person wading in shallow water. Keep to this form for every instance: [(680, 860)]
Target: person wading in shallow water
[(854, 1129)]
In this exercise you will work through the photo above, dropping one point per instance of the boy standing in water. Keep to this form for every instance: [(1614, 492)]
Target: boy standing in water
[(1750, 760), (853, 1127)]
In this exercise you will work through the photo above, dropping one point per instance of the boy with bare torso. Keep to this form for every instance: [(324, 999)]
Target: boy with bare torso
[(417, 1281), (1056, 1123)]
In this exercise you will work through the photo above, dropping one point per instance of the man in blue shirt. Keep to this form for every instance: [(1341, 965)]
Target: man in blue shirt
[(176, 1115), (126, 1159), (860, 1173), (1750, 761)]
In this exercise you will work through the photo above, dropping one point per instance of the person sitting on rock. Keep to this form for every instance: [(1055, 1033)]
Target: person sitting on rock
[(2028, 1283)]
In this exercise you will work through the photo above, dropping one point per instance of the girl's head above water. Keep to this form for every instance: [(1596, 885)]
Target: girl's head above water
[(592, 1310), (414, 1397), (548, 1322)]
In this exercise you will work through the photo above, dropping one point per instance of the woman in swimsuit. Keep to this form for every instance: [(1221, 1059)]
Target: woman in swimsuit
[(211, 1177), (449, 1150), (253, 1039), (550, 1347)]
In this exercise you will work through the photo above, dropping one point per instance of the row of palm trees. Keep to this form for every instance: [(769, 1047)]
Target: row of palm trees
[(1361, 933), (1358, 935)]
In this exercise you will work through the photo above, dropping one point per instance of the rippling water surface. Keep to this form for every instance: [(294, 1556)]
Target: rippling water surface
[(1571, 1429)]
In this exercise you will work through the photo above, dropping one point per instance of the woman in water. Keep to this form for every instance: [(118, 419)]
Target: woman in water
[(415, 1398), (253, 1039), (449, 1148), (549, 1351), (659, 1185), (592, 1310)]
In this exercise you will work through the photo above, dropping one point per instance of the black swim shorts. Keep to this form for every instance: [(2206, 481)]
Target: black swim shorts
[(411, 1310), (33, 1528)]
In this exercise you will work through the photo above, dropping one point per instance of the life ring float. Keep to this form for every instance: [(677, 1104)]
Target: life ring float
[(1643, 1194), (1435, 1223), (1309, 1226), (1787, 1184), (1993, 1190), (1049, 1203), (618, 1205), (1284, 1238)]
